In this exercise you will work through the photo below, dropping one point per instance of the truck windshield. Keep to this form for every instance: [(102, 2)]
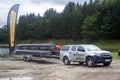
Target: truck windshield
[(92, 48)]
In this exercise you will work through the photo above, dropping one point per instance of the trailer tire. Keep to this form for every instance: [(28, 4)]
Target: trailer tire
[(26, 59)]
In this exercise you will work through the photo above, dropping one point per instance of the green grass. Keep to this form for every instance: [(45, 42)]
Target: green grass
[(110, 45), (115, 55)]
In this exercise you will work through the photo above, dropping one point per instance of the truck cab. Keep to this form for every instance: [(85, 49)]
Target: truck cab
[(89, 54)]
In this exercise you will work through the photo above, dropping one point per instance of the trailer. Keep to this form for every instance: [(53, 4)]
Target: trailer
[(32, 52)]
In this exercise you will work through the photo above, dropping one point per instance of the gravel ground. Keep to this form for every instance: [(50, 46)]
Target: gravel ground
[(54, 69)]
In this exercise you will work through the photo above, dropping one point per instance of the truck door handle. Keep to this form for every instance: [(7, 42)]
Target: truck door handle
[(74, 54), (70, 52)]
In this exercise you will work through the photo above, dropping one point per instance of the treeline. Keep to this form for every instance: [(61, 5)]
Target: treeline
[(3, 35), (98, 19)]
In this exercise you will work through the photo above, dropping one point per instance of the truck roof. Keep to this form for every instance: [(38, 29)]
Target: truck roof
[(80, 45)]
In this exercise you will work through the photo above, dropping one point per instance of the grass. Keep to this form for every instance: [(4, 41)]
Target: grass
[(115, 55), (110, 45)]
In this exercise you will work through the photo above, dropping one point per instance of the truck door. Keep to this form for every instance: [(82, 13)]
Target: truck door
[(81, 53), (73, 53)]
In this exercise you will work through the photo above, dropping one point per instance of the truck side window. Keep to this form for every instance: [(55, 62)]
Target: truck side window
[(80, 48), (65, 48), (73, 48)]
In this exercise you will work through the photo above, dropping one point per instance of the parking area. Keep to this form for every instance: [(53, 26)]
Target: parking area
[(54, 69)]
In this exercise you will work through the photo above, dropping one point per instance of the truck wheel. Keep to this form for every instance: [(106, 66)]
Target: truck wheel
[(118, 53), (106, 64), (90, 62), (66, 61)]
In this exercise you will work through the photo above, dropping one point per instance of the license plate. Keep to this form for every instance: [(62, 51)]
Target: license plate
[(78, 58), (107, 60)]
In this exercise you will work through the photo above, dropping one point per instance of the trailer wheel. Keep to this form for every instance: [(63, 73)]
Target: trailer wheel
[(26, 59)]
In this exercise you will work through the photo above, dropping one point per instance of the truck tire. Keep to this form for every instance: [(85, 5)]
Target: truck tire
[(90, 62), (66, 61), (106, 64), (119, 53)]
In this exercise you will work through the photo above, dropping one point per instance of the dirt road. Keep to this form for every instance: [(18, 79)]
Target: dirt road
[(54, 69)]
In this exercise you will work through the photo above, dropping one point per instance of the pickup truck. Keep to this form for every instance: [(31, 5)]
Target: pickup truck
[(89, 54)]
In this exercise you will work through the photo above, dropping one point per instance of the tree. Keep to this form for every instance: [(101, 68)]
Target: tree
[(91, 28), (51, 22), (93, 20), (3, 35)]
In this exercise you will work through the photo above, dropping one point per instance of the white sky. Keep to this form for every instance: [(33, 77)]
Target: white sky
[(32, 6)]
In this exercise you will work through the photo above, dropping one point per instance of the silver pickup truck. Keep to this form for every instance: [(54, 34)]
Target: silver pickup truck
[(89, 54)]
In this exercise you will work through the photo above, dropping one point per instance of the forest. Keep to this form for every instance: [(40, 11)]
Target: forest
[(98, 19)]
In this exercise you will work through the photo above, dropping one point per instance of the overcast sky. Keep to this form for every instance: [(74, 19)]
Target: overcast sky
[(32, 6)]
